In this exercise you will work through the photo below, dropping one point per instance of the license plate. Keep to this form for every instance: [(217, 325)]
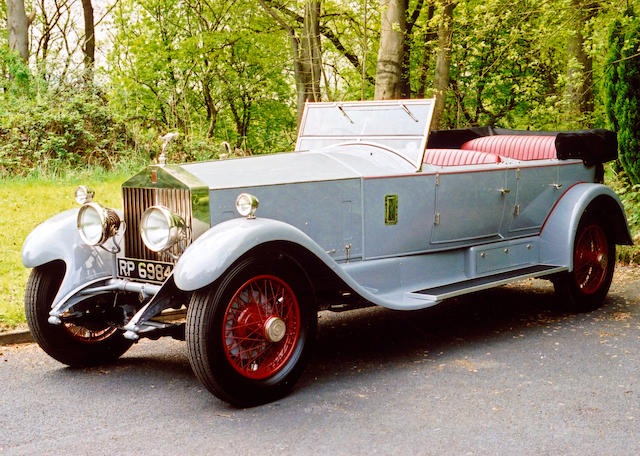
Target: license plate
[(144, 270)]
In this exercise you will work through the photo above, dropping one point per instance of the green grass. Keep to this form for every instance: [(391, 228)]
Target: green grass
[(24, 203)]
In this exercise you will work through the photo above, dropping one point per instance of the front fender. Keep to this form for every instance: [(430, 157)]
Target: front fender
[(212, 253), (559, 231), (57, 239)]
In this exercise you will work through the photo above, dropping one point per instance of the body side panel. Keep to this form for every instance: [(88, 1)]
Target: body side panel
[(330, 213)]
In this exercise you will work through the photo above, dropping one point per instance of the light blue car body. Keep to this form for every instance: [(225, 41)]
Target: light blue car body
[(358, 199)]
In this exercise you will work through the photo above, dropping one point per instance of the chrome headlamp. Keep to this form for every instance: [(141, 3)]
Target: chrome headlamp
[(83, 194), (161, 229), (96, 224), (246, 205)]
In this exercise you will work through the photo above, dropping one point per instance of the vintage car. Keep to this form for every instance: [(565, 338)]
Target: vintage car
[(371, 209)]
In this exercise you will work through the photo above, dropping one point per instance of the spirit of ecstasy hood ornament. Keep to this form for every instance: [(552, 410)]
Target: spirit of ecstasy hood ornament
[(166, 139)]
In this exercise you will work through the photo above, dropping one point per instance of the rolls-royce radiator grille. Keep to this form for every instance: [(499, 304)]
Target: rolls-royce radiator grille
[(136, 201)]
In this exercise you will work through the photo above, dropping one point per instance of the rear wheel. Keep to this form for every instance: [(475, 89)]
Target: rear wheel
[(594, 257), (249, 337), (90, 340)]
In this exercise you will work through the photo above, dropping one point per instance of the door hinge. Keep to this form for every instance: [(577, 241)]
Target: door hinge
[(436, 221)]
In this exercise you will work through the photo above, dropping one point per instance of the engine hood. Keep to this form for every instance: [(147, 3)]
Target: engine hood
[(296, 167), (350, 161)]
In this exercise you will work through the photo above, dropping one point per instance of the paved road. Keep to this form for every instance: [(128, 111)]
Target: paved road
[(499, 372)]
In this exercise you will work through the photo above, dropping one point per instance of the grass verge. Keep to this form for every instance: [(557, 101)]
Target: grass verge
[(24, 203)]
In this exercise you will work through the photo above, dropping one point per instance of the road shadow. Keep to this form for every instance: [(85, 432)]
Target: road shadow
[(368, 338)]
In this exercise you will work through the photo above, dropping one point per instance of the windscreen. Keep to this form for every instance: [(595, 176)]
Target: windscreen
[(401, 125)]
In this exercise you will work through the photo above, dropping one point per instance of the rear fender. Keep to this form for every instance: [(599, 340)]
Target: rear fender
[(58, 239), (559, 231)]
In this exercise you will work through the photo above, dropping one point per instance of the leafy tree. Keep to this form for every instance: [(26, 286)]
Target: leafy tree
[(623, 91), (203, 68)]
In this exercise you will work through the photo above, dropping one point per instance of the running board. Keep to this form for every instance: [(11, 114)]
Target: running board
[(442, 292)]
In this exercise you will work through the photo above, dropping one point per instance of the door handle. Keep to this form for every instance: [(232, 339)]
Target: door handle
[(504, 191)]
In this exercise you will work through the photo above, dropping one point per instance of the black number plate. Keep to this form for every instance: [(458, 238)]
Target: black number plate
[(144, 270)]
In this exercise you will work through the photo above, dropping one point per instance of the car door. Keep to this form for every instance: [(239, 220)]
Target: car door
[(537, 190), (469, 206)]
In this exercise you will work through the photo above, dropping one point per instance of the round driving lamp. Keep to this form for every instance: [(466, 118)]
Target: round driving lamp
[(246, 205), (161, 229), (96, 224), (83, 194)]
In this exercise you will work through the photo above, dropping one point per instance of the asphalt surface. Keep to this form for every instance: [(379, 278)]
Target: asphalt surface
[(500, 372)]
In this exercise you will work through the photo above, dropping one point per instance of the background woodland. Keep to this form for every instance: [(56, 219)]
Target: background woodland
[(88, 82)]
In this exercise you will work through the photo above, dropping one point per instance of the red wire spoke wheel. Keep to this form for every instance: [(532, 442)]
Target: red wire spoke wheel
[(249, 334), (594, 254), (261, 327), (89, 336), (591, 259)]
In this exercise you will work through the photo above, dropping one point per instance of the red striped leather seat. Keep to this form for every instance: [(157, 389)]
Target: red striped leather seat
[(520, 147), (453, 157)]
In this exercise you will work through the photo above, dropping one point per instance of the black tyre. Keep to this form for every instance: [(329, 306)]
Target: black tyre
[(249, 335), (594, 260), (71, 344)]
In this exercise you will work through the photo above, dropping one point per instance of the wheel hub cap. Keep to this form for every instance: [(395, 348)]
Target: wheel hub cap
[(274, 329), (602, 260)]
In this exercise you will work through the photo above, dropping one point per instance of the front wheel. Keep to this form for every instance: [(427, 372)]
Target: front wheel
[(594, 259), (249, 336), (90, 341)]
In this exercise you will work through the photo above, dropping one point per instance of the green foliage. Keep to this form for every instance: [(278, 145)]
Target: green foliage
[(630, 197), (216, 72), (622, 89), (16, 77), (58, 130)]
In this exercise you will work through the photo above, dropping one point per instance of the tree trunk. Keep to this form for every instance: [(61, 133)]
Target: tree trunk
[(307, 58), (579, 88), (393, 27), (429, 36), (443, 61), (17, 23), (212, 111), (89, 47), (310, 53), (405, 73)]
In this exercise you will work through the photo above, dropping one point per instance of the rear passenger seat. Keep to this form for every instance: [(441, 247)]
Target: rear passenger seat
[(457, 157), (519, 147)]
